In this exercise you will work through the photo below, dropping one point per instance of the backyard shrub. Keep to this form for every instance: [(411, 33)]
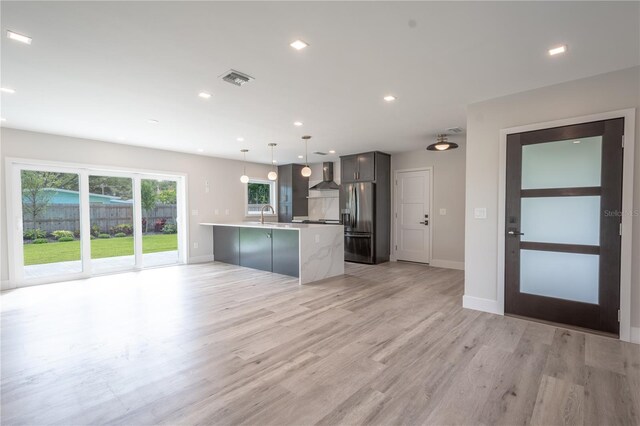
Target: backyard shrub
[(76, 234), (33, 234), (104, 236), (169, 228), (95, 230), (159, 225), (59, 234), (123, 228), (65, 239), (40, 241), (119, 235)]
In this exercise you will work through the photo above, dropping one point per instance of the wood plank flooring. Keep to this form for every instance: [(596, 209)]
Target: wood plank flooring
[(219, 344)]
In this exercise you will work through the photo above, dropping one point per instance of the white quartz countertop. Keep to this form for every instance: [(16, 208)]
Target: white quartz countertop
[(273, 225)]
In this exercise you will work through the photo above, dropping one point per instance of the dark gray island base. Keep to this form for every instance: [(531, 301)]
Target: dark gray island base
[(306, 251)]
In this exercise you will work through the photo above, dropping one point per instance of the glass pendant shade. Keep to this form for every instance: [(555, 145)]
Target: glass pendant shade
[(273, 175), (244, 178), (442, 146), (306, 170)]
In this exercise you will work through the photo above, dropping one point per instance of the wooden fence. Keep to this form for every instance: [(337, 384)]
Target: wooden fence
[(67, 216)]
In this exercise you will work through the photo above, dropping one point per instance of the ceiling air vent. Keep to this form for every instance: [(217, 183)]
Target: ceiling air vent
[(320, 153), (236, 77), (454, 130)]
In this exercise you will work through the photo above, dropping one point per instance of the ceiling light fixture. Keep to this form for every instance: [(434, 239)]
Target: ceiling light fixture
[(442, 144), (273, 175), (200, 150), (299, 44), (152, 121), (306, 170), (299, 156), (244, 178), (297, 123), (332, 151), (240, 139), (557, 50), (576, 141), (389, 98), (7, 90), (204, 95), (18, 37)]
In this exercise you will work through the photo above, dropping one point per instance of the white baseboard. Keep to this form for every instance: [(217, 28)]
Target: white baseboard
[(635, 335), (449, 264), (480, 304), (5, 285), (200, 259)]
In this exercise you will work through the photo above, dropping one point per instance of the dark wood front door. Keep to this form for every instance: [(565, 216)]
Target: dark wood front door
[(562, 236)]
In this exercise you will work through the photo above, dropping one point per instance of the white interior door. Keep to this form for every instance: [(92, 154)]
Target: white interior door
[(412, 215)]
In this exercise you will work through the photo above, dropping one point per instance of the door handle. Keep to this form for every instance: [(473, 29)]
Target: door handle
[(515, 233), (426, 222)]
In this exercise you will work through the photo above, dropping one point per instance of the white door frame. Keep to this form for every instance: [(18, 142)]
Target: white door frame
[(14, 213), (429, 169), (626, 263)]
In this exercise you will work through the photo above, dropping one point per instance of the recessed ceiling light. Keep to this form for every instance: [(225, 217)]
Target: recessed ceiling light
[(152, 121), (204, 95), (389, 98), (274, 161), (7, 90), (301, 156), (240, 139), (576, 141), (558, 50), (3, 119), (332, 151), (200, 150), (299, 44), (18, 37), (121, 138), (297, 123)]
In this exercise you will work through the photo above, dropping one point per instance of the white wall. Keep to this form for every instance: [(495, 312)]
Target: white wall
[(602, 93), (448, 193), (226, 190)]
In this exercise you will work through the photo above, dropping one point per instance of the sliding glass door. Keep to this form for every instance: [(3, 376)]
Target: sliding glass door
[(76, 222)]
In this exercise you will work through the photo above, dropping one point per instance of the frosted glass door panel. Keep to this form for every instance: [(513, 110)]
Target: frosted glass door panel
[(562, 164), (562, 220), (569, 276)]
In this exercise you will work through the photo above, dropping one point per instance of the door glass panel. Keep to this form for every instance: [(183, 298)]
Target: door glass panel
[(569, 276), (562, 220), (111, 213), (51, 223), (562, 164), (159, 227)]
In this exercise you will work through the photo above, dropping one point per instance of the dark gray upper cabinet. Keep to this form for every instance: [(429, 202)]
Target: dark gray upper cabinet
[(293, 189), (359, 167)]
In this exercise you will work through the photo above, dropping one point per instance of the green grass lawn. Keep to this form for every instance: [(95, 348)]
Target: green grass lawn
[(36, 254)]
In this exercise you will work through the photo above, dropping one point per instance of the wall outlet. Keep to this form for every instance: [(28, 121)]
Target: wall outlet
[(226, 212), (195, 245), (480, 213), (443, 212), (206, 186), (194, 212), (216, 212), (317, 238)]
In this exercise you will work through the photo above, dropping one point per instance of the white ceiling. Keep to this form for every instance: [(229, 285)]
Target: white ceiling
[(100, 70)]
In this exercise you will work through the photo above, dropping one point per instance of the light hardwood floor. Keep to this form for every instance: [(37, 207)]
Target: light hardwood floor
[(219, 344)]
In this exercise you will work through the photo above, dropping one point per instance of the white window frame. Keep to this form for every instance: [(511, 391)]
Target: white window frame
[(273, 197), (14, 214)]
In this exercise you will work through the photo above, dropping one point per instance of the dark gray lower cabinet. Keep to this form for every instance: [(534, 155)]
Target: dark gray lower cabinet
[(226, 244), (255, 248), (285, 252)]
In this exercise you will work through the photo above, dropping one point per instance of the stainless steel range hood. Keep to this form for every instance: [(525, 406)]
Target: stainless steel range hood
[(327, 183)]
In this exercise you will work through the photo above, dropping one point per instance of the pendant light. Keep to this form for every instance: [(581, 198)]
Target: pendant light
[(244, 178), (306, 170), (273, 175), (442, 144)]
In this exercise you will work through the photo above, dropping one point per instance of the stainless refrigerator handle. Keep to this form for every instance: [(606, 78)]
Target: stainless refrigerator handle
[(355, 216), (353, 206)]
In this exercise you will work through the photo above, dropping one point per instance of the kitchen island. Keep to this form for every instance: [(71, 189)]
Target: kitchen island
[(310, 252)]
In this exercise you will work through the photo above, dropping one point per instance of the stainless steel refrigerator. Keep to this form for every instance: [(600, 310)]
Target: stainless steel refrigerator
[(357, 209)]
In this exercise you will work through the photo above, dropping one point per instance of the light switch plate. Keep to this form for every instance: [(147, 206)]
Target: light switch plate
[(194, 212), (480, 213), (226, 212), (317, 238), (216, 212), (443, 212)]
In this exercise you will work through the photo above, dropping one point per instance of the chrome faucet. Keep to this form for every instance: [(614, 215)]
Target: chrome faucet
[(266, 206)]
